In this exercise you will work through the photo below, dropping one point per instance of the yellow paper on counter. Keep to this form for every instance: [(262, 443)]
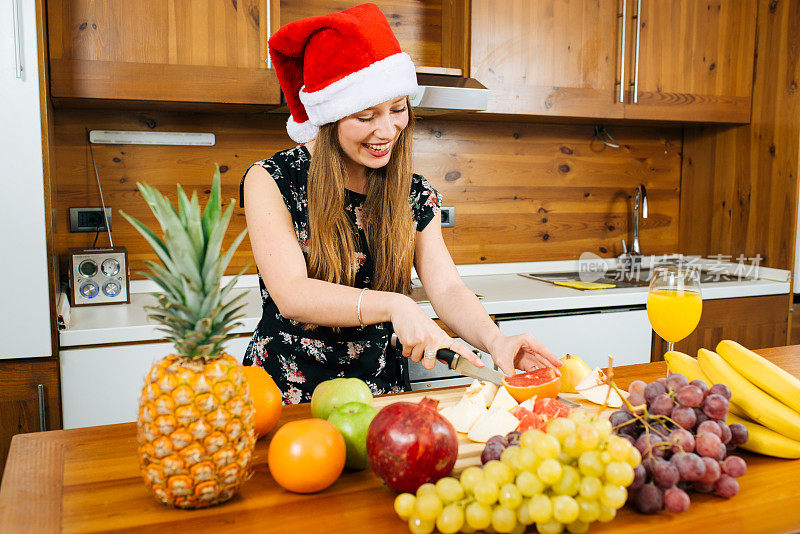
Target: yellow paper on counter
[(584, 285)]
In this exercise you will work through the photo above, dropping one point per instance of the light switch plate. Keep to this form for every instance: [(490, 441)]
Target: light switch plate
[(448, 216)]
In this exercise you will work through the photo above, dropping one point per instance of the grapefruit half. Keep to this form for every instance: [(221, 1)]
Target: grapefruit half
[(540, 382)]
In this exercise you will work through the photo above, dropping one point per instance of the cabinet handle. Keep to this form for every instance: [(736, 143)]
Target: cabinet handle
[(636, 68), (269, 31), (42, 414), (17, 39), (622, 53)]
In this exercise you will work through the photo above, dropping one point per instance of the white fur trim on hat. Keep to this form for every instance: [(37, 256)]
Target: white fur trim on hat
[(383, 80), (301, 132)]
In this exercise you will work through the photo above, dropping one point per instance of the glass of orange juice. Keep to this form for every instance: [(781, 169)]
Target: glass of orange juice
[(674, 303)]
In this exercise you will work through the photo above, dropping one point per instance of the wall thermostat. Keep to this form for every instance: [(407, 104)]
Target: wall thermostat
[(99, 276)]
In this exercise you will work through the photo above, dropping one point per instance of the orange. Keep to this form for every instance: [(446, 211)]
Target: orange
[(540, 382), (306, 456), (267, 399)]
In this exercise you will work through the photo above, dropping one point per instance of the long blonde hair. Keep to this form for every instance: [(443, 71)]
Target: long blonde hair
[(389, 223)]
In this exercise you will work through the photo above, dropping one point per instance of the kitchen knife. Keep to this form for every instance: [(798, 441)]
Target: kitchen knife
[(464, 367)]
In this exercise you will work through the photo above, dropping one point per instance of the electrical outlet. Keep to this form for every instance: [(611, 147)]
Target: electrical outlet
[(448, 216), (89, 219)]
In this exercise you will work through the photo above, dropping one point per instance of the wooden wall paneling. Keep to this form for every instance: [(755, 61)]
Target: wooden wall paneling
[(417, 25), (526, 192), (548, 57), (240, 141), (695, 60), (755, 322), (522, 192), (185, 51), (739, 184)]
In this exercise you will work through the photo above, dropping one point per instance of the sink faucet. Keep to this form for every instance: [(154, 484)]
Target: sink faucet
[(633, 259), (639, 197)]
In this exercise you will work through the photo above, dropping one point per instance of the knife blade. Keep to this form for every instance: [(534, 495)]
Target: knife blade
[(464, 367), (460, 365)]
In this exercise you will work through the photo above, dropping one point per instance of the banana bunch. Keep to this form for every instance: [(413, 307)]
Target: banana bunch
[(766, 399)]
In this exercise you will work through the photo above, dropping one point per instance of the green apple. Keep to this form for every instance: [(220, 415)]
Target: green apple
[(336, 392), (353, 419)]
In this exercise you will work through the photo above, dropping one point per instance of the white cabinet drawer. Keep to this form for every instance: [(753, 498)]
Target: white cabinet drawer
[(626, 335), (101, 386)]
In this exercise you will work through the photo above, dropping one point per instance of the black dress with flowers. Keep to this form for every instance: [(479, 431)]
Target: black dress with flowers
[(300, 359)]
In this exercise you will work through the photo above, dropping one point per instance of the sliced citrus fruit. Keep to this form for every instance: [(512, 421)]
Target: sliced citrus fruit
[(540, 382)]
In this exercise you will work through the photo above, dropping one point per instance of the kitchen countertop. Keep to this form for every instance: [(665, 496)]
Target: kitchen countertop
[(88, 480), (503, 290)]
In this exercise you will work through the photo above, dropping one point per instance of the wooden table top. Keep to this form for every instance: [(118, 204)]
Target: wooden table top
[(87, 480)]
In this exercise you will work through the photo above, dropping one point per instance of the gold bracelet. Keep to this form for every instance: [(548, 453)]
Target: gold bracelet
[(358, 307)]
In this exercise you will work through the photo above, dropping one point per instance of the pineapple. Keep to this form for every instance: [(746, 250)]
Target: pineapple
[(196, 420)]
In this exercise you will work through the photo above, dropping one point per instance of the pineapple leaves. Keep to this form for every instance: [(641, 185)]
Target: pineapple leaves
[(156, 244), (190, 218), (213, 207), (176, 237), (191, 310), (225, 260), (210, 273)]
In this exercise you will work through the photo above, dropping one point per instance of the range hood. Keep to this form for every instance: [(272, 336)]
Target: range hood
[(441, 91)]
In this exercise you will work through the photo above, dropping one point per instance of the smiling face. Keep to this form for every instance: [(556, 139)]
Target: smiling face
[(367, 137)]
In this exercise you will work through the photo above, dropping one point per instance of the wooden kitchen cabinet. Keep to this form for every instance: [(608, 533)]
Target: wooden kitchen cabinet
[(695, 60), (548, 57), (180, 51), (566, 59), (19, 399), (755, 322), (435, 33)]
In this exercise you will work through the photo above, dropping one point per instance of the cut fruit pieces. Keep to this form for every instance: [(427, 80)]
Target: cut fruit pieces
[(486, 389), (593, 389), (494, 423), (543, 382), (464, 414), (503, 401)]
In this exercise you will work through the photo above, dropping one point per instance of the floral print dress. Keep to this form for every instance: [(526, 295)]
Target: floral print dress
[(300, 359)]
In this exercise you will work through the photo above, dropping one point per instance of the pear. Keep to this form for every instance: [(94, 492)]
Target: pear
[(572, 372)]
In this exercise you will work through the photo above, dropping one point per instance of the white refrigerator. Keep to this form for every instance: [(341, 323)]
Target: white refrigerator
[(24, 293)]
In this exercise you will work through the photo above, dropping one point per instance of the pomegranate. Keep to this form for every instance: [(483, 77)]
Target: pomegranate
[(410, 444)]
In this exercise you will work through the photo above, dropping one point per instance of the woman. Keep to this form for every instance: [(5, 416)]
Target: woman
[(331, 229)]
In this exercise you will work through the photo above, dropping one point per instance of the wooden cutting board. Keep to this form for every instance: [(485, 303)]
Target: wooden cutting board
[(469, 452)]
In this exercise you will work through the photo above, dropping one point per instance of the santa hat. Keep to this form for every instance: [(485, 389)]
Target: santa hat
[(335, 65)]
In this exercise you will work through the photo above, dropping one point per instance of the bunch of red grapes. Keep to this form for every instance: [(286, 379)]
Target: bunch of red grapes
[(679, 428)]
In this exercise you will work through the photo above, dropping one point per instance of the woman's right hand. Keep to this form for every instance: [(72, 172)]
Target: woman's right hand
[(421, 337)]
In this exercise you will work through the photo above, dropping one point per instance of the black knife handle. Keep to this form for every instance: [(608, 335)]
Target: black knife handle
[(446, 355)]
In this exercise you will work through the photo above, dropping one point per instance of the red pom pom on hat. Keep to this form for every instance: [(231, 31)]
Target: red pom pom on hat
[(334, 65)]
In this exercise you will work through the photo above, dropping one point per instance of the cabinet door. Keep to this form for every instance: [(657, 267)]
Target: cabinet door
[(755, 322), (549, 57), (20, 399), (625, 335), (101, 385), (695, 60), (431, 32), (150, 50)]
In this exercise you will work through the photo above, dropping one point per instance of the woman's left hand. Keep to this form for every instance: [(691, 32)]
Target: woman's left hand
[(522, 351)]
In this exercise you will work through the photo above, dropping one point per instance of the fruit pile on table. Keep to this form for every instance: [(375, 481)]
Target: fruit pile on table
[(543, 466)]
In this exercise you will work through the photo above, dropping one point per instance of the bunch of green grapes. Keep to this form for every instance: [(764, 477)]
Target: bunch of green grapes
[(568, 477)]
